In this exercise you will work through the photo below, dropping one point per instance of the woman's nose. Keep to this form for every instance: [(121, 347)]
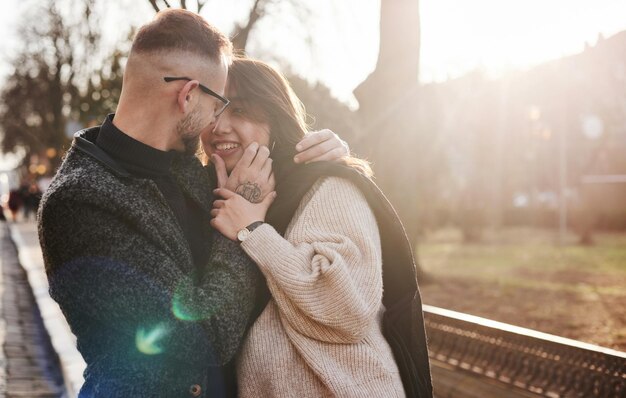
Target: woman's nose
[(222, 124)]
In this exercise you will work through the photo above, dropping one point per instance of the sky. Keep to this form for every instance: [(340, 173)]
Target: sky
[(501, 35), (457, 36)]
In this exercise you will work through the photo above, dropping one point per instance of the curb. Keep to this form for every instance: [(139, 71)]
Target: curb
[(62, 339)]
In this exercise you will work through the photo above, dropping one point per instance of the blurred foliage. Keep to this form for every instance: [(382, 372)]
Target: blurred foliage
[(479, 152), (502, 141), (325, 111), (57, 77), (61, 76), (103, 91), (41, 89), (474, 152)]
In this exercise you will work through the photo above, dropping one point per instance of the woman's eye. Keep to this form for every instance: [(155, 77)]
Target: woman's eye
[(237, 111)]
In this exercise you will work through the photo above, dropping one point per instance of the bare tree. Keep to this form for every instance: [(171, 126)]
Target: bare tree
[(163, 4), (242, 31), (50, 72), (259, 9)]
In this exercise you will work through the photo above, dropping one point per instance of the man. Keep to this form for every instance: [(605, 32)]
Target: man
[(159, 302)]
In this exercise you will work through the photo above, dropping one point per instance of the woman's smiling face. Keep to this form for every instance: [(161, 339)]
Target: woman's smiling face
[(235, 129)]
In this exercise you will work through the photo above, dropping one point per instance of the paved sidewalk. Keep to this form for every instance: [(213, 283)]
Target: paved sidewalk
[(30, 364), (24, 235)]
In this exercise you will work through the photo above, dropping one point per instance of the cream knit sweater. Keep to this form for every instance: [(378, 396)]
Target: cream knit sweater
[(320, 335)]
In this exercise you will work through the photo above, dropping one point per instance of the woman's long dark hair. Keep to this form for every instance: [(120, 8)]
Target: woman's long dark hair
[(268, 98)]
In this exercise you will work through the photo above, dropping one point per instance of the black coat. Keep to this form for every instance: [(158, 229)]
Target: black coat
[(148, 322)]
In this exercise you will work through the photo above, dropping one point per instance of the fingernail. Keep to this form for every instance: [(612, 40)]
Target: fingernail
[(298, 147), (296, 159)]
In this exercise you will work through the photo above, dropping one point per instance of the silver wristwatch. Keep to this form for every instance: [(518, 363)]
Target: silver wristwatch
[(245, 232)]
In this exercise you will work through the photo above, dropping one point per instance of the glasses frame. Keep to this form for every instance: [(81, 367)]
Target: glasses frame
[(204, 88)]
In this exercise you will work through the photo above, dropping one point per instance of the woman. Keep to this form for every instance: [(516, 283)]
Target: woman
[(321, 332)]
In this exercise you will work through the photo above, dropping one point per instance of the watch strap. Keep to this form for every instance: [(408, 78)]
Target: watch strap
[(254, 225), (244, 232)]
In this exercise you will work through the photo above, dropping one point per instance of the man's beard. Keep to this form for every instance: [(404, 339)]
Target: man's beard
[(189, 130)]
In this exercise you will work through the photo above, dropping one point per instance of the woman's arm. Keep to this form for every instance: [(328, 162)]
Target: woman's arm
[(326, 280)]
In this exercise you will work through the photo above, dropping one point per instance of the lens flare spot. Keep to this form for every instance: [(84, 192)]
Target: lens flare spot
[(186, 306), (147, 340)]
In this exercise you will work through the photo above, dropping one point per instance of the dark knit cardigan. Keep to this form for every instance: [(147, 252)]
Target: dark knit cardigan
[(148, 323)]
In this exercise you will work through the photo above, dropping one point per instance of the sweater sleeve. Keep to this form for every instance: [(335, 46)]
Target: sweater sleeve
[(327, 277)]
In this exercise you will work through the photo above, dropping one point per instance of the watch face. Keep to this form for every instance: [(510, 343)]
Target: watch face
[(242, 234)]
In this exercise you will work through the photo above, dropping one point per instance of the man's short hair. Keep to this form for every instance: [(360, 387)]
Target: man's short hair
[(181, 30)]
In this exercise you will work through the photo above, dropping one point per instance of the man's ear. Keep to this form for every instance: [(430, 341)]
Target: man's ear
[(186, 96)]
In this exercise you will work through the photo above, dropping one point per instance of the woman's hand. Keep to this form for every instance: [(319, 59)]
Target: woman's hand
[(233, 213)]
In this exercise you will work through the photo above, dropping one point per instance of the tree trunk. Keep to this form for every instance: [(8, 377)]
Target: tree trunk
[(388, 110)]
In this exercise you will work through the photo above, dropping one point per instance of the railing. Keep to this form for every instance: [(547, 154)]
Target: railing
[(540, 363)]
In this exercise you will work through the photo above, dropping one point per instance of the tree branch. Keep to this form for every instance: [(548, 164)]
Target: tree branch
[(154, 5), (240, 38)]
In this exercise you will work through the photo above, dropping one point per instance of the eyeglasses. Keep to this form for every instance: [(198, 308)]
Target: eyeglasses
[(224, 101)]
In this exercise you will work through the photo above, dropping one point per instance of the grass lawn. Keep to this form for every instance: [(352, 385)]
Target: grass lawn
[(522, 277)]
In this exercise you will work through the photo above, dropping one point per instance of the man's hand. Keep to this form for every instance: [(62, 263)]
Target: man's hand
[(321, 145), (252, 176)]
